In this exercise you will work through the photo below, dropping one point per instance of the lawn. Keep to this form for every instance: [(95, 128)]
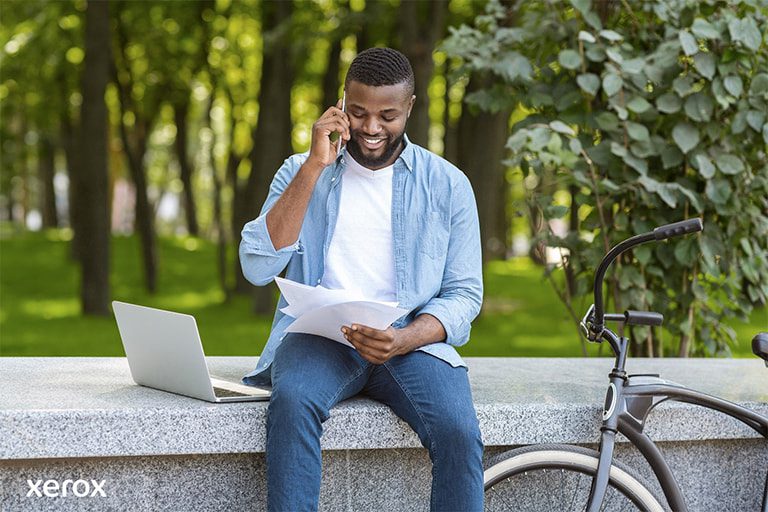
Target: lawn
[(39, 305)]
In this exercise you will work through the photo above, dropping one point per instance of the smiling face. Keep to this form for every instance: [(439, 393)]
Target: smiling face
[(377, 116)]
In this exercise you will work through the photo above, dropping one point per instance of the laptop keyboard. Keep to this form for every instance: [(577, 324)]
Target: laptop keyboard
[(221, 392)]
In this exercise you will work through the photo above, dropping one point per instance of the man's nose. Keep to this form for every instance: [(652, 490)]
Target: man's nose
[(371, 126)]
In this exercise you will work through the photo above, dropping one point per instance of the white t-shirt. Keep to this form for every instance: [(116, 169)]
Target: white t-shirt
[(360, 255)]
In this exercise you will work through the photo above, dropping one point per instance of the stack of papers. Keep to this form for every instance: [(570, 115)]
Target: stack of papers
[(322, 311)]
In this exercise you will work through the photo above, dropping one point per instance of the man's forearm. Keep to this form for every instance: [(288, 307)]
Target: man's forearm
[(424, 329), (284, 219)]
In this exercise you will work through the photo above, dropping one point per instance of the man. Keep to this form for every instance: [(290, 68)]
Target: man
[(400, 223)]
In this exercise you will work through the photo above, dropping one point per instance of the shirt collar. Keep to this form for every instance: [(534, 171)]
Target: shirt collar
[(408, 154)]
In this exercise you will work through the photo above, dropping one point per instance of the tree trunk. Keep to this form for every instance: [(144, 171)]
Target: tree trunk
[(331, 77), (93, 174), (423, 24), (135, 147), (451, 133), (48, 193), (482, 164), (68, 141), (272, 136), (180, 112)]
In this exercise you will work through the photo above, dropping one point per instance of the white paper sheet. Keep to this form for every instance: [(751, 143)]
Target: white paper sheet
[(323, 312)]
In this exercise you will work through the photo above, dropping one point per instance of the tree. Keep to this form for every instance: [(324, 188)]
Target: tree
[(652, 114), (422, 25), (92, 176)]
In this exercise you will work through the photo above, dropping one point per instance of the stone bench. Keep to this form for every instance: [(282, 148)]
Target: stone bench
[(84, 419)]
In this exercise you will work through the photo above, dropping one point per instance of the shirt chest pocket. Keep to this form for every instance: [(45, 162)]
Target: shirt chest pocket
[(432, 235)]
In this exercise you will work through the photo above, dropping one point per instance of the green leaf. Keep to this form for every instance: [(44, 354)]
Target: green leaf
[(671, 157), (699, 107), (688, 43), (759, 85), (586, 37), (575, 145), (555, 211), (704, 29), (705, 64), (582, 6), (633, 66), (637, 131), (755, 119), (607, 121), (739, 123), (636, 163), (614, 55), (638, 104), (642, 254), (729, 164), (668, 103), (683, 85), (686, 136), (733, 85), (746, 32), (611, 36), (618, 150), (593, 20), (561, 127), (595, 54), (692, 197), (667, 195), (706, 169), (612, 84), (569, 59), (513, 67), (718, 191), (589, 83), (649, 184)]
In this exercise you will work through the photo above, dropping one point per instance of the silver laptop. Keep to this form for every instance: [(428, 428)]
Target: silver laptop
[(164, 352)]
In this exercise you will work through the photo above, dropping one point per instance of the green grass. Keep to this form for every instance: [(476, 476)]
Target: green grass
[(39, 304)]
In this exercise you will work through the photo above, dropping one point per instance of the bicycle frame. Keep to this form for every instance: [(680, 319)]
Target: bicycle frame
[(629, 399), (628, 402)]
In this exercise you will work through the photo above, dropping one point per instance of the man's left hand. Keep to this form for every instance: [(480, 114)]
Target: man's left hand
[(375, 345)]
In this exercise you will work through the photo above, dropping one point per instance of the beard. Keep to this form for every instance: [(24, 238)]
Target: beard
[(370, 159)]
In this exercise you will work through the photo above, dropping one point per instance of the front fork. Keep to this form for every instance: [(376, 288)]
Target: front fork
[(607, 440)]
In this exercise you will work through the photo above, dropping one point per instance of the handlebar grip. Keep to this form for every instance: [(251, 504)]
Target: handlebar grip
[(643, 318), (678, 228)]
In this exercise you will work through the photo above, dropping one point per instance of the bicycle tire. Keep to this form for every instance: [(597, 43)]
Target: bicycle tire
[(556, 477)]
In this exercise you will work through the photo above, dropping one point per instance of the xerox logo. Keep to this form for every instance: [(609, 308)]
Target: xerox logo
[(78, 488)]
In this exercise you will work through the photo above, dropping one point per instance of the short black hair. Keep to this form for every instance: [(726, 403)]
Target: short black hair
[(381, 66)]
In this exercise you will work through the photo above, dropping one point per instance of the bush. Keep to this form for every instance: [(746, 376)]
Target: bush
[(644, 113)]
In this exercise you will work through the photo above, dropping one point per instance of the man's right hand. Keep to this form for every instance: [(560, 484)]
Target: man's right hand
[(323, 151)]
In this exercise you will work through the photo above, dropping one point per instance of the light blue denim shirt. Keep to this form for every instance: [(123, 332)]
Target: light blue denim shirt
[(435, 239)]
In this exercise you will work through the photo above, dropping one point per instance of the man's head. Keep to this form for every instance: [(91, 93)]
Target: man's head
[(379, 88)]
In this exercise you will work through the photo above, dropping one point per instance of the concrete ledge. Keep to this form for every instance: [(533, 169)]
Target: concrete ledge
[(90, 407), (67, 416)]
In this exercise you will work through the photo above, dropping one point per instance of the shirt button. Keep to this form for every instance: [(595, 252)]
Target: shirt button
[(318, 281), (333, 179)]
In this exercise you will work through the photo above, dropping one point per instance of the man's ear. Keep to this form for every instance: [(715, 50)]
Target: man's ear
[(410, 105)]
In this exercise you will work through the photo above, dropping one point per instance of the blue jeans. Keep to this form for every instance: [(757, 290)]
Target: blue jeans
[(311, 374)]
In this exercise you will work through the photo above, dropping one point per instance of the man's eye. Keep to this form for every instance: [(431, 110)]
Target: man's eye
[(388, 119)]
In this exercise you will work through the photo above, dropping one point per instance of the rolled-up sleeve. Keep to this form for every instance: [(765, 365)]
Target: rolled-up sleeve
[(461, 290), (259, 259)]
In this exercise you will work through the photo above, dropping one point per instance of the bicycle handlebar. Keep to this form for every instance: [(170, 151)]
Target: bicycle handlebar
[(678, 228), (660, 233)]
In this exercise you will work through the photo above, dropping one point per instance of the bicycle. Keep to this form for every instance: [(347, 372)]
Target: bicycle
[(588, 479)]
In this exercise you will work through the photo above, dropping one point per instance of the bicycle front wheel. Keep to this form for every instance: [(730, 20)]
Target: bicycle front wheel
[(558, 478)]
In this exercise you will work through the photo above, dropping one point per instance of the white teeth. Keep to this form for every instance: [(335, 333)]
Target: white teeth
[(373, 141)]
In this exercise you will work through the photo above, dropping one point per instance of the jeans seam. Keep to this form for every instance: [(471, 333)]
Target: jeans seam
[(343, 387), (432, 440)]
